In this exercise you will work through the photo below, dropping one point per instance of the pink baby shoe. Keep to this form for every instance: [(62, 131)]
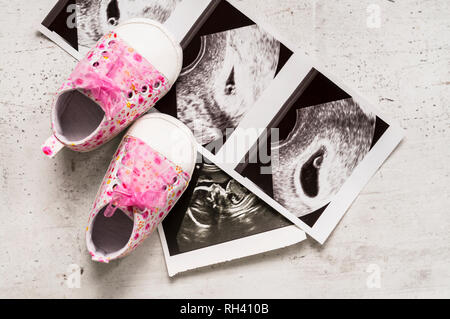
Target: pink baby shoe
[(119, 80), (149, 172)]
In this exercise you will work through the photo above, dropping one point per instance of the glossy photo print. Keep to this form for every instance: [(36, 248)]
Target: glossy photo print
[(218, 219), (321, 151), (229, 61), (314, 145)]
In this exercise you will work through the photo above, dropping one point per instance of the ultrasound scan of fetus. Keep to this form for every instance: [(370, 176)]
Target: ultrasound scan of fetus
[(98, 17), (327, 143), (222, 210), (230, 73)]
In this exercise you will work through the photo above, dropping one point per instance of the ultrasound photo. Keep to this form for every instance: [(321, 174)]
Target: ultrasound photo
[(323, 135), (216, 209), (229, 74), (327, 142), (98, 17), (229, 62)]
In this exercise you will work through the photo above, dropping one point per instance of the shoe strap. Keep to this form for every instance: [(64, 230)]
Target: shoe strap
[(52, 146)]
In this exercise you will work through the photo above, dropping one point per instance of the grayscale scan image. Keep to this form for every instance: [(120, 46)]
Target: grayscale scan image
[(219, 210), (97, 17), (231, 71), (326, 144)]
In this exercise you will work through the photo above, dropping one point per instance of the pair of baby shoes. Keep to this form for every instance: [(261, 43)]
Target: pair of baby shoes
[(117, 82)]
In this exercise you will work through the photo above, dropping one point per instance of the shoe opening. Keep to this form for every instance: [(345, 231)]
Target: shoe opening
[(111, 234), (76, 116)]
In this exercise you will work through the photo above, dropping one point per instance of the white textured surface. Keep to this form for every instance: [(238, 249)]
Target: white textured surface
[(400, 222)]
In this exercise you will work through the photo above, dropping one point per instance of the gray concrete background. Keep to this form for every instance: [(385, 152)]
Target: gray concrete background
[(400, 222)]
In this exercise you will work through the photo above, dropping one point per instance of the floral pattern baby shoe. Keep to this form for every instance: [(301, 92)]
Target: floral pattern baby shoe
[(141, 184), (119, 80)]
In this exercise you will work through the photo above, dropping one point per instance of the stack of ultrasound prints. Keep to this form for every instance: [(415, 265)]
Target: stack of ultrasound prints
[(319, 144)]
